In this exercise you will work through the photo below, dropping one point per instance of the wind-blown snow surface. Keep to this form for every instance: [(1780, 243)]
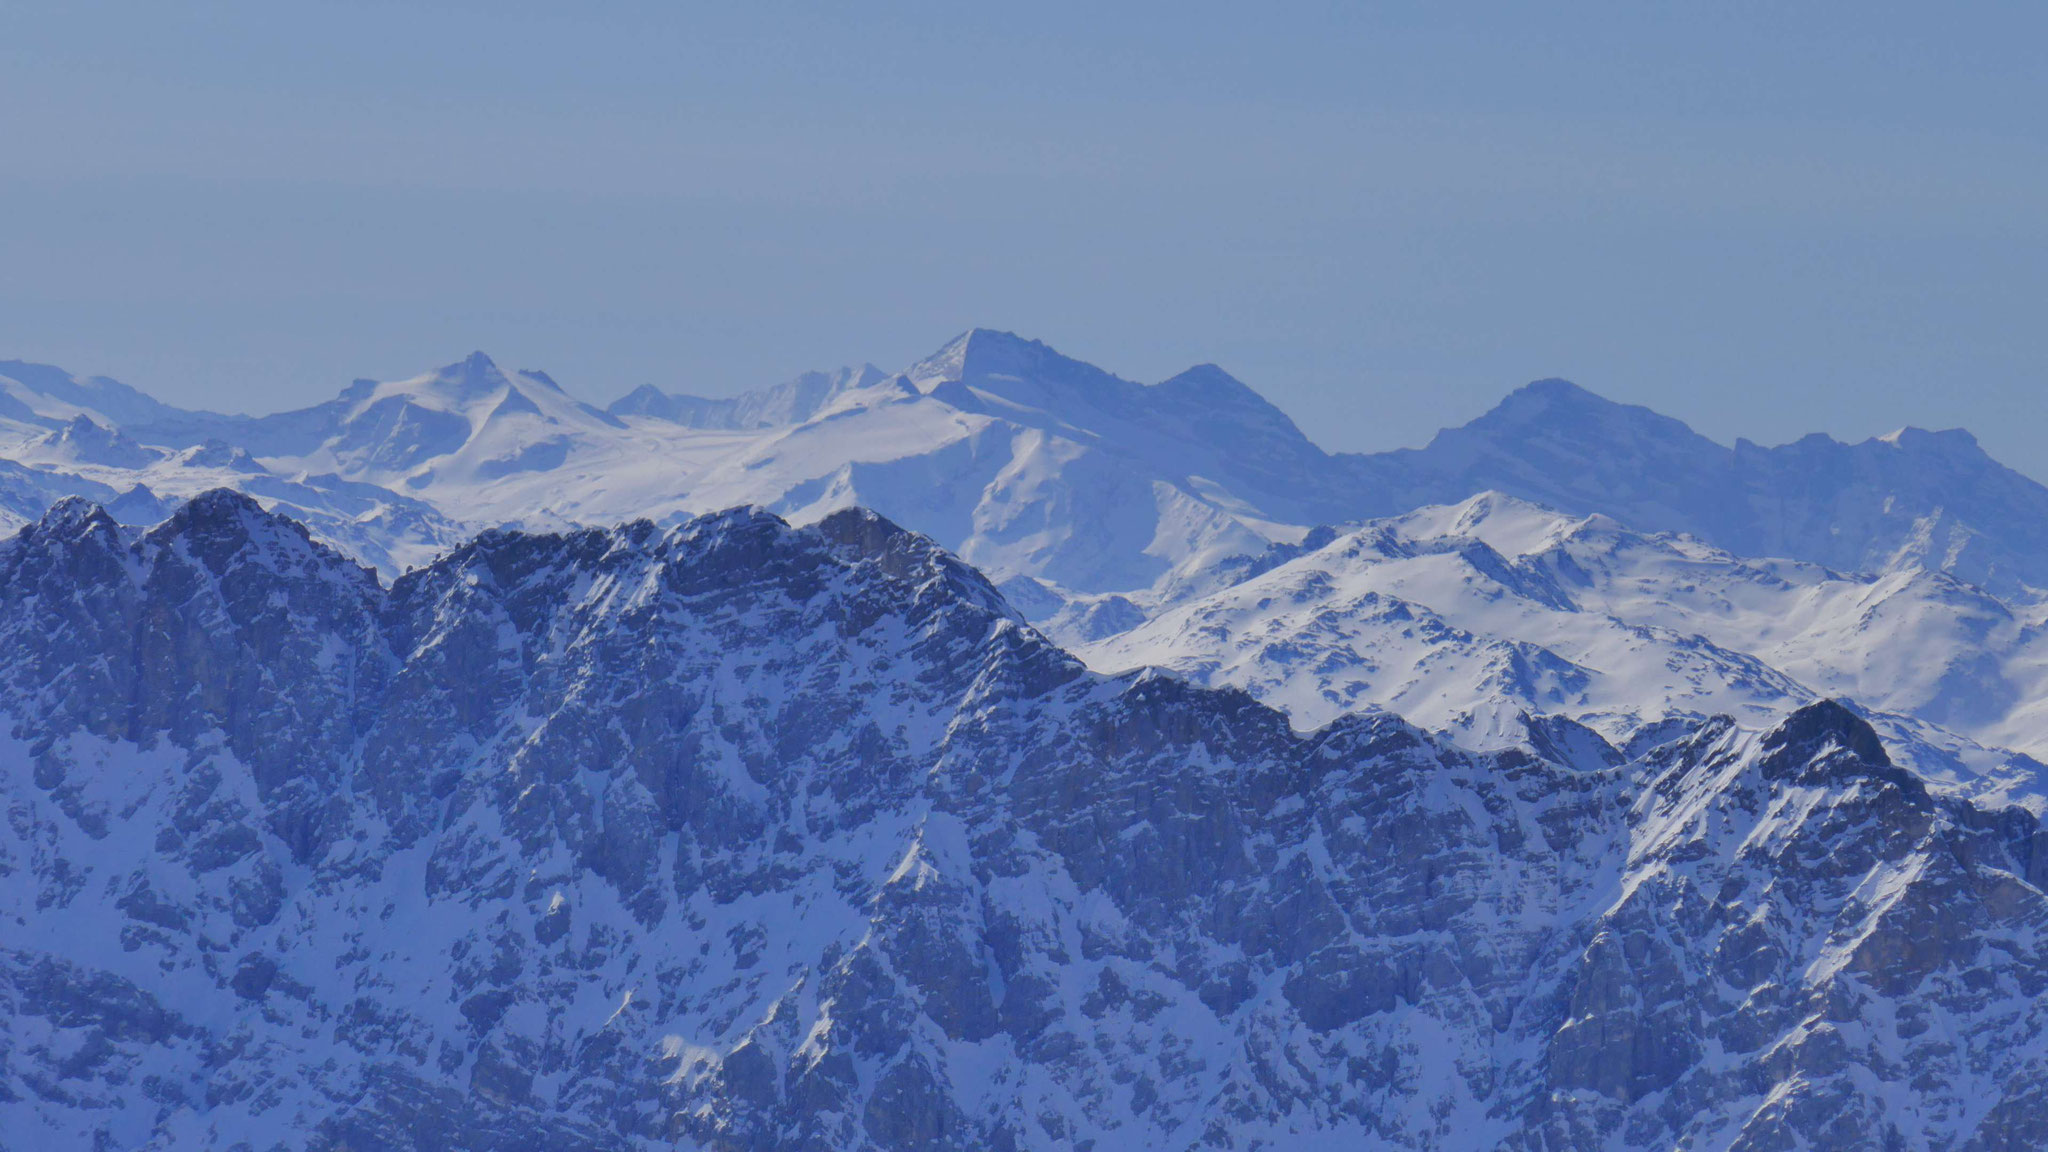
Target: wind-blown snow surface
[(738, 835)]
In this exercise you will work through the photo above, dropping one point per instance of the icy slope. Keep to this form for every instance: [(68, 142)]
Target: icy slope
[(735, 835), (1465, 616)]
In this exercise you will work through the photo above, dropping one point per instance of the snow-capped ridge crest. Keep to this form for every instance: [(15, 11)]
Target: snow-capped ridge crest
[(76, 517), (867, 535), (222, 527)]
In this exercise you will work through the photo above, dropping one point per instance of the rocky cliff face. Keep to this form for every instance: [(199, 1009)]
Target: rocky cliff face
[(740, 836)]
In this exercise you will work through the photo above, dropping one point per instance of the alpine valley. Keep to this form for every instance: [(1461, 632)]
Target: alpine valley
[(1000, 754)]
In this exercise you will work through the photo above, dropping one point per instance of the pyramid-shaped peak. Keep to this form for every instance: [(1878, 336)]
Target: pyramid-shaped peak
[(990, 354), (1210, 384), (1205, 376), (474, 375)]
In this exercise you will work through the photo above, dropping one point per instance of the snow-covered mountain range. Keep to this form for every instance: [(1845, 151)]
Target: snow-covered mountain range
[(1029, 464), (459, 764), (1900, 572), (1465, 617), (738, 835)]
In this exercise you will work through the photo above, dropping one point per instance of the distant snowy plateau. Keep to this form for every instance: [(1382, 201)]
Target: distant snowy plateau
[(1005, 755)]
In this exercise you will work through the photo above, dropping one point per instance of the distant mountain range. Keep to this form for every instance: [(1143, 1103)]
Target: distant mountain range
[(1027, 463)]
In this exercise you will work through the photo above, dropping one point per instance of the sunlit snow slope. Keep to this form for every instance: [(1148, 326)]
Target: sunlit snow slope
[(1467, 616)]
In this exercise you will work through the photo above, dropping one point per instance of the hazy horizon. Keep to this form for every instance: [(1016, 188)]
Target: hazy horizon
[(1762, 222), (603, 399)]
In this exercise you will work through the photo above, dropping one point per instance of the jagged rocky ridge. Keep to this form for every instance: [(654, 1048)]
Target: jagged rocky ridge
[(743, 836)]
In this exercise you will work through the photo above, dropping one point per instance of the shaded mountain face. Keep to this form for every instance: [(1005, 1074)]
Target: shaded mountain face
[(739, 835)]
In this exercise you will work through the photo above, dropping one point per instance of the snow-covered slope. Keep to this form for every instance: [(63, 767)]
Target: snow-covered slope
[(1914, 498), (1030, 464), (1466, 616), (43, 395), (734, 835), (95, 438), (1092, 500)]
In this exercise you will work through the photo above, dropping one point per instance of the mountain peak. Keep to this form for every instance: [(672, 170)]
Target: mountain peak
[(1551, 394), (84, 440), (989, 354), (473, 376), (1947, 441), (222, 527), (1560, 408), (73, 516), (1209, 382)]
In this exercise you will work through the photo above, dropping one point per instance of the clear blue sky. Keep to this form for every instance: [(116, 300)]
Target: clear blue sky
[(1764, 219)]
